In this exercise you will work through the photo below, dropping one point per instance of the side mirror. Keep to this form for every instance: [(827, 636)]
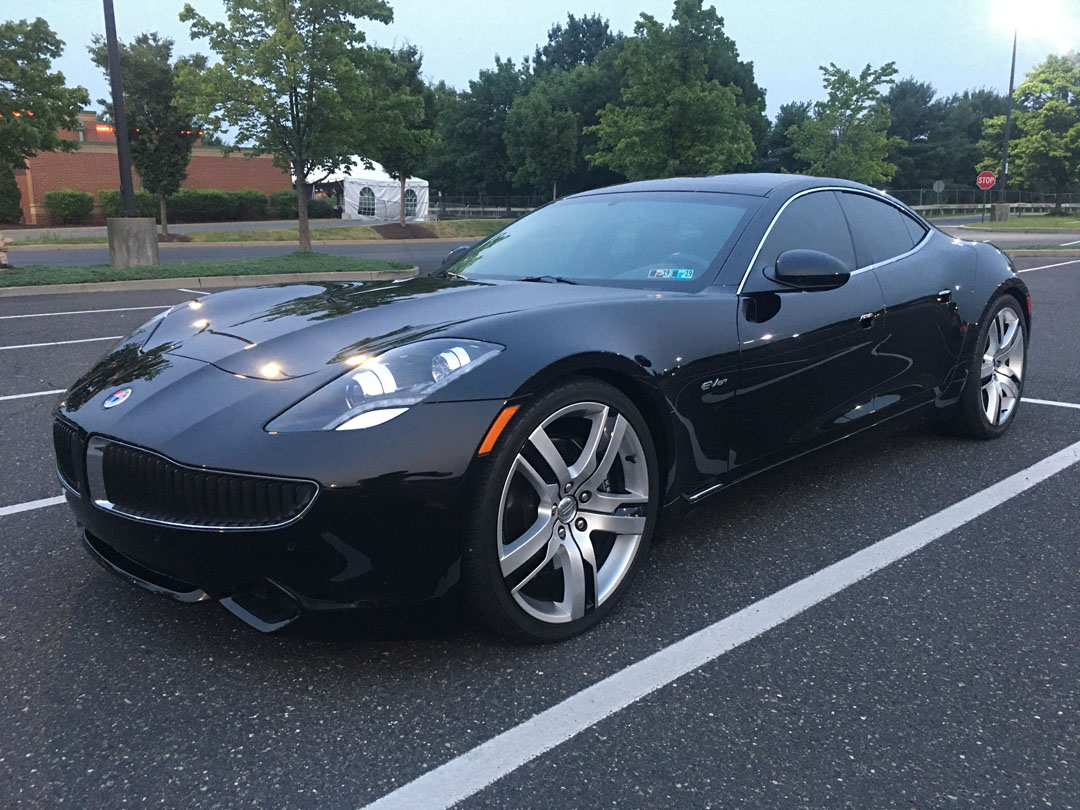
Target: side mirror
[(809, 270), (455, 254)]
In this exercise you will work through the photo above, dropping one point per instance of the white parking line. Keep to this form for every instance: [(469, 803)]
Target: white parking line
[(1066, 244), (194, 292), (474, 770), (35, 394), (1047, 266), (58, 343), (77, 312), (26, 507), (1051, 402)]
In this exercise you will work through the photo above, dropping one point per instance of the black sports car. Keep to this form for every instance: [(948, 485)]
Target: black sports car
[(511, 429)]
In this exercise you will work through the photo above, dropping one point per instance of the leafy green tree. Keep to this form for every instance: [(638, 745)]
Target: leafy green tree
[(542, 142), (957, 149), (914, 124), (469, 155), (580, 42), (10, 196), (1046, 149), (779, 150), (404, 133), (161, 133), (673, 119), (847, 136), (34, 101), (294, 79)]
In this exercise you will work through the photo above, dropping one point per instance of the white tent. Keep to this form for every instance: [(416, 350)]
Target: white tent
[(372, 195)]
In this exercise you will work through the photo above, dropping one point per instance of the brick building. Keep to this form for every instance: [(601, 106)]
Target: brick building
[(93, 168)]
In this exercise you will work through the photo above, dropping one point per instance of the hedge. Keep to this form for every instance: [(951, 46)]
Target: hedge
[(283, 206), (218, 205), (10, 196), (146, 204), (69, 207)]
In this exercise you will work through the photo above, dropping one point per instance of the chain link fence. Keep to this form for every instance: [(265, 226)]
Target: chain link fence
[(971, 197)]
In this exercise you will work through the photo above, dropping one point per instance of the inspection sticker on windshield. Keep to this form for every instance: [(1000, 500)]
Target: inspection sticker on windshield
[(677, 273)]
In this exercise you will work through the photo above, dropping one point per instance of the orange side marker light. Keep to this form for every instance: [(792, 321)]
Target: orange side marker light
[(496, 429)]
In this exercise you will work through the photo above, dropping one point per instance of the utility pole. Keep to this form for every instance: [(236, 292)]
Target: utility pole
[(123, 153), (1008, 124)]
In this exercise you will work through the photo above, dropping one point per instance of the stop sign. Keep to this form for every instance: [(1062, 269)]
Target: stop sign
[(986, 180)]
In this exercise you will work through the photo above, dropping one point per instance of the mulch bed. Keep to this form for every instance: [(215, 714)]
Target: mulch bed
[(398, 231), (173, 237)]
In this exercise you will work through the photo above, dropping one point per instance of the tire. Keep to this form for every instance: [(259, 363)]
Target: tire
[(995, 379), (555, 534)]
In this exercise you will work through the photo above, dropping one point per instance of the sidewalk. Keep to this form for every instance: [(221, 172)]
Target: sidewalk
[(193, 227)]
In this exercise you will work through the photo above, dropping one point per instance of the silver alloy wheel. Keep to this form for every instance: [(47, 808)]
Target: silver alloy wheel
[(1003, 366), (573, 512)]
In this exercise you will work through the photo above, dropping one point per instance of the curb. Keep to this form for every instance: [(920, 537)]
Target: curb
[(279, 243), (1017, 230), (204, 282), (1029, 254)]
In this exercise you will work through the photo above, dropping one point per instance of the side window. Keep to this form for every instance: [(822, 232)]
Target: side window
[(811, 222), (915, 228), (879, 229)]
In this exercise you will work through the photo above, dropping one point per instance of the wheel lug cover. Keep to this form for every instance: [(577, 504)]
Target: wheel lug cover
[(562, 532), (580, 524), (568, 487), (584, 497)]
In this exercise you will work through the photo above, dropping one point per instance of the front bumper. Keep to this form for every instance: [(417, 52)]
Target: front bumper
[(383, 530)]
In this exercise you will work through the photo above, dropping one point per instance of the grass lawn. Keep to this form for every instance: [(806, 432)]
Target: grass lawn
[(451, 229), (37, 274), (1069, 222)]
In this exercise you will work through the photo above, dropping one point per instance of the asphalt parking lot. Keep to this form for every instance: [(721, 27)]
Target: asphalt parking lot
[(948, 678)]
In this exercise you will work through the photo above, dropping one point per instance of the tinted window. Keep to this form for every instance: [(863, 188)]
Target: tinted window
[(915, 228), (811, 222), (877, 227), (665, 240)]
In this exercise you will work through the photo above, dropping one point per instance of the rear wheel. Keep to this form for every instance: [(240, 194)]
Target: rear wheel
[(564, 514), (995, 374)]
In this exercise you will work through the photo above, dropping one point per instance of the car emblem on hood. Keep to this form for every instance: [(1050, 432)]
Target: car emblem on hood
[(117, 397)]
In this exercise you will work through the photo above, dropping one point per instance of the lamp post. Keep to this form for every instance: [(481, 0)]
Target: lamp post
[(1008, 123), (123, 153)]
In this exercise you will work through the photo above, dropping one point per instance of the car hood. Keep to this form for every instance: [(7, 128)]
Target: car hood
[(288, 331)]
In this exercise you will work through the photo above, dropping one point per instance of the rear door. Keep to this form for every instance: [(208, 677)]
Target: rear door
[(922, 330), (808, 365)]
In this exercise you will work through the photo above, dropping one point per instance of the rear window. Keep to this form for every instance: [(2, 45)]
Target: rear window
[(878, 229), (663, 240)]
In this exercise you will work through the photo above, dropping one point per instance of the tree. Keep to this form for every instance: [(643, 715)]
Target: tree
[(469, 155), (404, 133), (779, 150), (542, 142), (34, 101), (673, 119), (294, 80), (847, 136), (161, 133), (914, 125), (579, 42), (1046, 149)]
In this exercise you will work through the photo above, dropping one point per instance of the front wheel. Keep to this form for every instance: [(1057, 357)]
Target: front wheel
[(564, 513), (995, 374)]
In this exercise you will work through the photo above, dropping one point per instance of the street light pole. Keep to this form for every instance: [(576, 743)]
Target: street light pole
[(123, 153), (1008, 124)]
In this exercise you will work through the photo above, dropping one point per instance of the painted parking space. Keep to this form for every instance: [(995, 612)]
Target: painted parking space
[(109, 692)]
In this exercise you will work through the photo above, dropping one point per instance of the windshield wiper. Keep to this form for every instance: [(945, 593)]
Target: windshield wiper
[(548, 279)]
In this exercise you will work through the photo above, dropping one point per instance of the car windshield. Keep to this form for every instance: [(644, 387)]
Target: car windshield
[(665, 240)]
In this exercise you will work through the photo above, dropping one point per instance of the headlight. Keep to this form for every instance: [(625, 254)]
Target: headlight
[(380, 388)]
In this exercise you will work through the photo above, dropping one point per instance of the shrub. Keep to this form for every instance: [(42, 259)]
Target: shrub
[(283, 204), (10, 196), (69, 207), (250, 203), (321, 208), (146, 204)]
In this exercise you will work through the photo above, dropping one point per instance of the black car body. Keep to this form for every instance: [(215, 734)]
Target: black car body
[(184, 489)]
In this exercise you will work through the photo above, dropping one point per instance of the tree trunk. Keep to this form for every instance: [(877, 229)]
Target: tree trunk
[(164, 218), (401, 215), (1057, 202), (302, 212)]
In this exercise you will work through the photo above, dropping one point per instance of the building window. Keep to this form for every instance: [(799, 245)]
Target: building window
[(365, 206), (410, 203)]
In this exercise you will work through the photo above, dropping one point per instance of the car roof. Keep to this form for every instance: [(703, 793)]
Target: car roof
[(761, 184)]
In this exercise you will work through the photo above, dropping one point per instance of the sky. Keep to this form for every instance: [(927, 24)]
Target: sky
[(953, 44)]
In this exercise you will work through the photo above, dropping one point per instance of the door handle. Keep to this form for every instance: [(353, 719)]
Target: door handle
[(867, 320)]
